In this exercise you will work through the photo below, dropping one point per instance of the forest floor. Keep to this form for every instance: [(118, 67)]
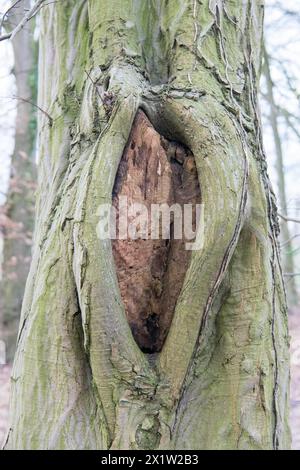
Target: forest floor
[(295, 385)]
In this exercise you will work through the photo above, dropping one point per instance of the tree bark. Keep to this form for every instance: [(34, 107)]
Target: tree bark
[(80, 381), (20, 200)]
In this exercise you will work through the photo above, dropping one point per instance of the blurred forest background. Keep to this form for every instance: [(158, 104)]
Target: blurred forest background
[(280, 108)]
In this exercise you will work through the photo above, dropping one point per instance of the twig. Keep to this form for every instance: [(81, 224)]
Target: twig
[(107, 99), (32, 12), (291, 274), (25, 100), (7, 12), (95, 85), (289, 240), (289, 219), (288, 118)]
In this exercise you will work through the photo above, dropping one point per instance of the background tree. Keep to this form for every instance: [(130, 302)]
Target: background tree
[(18, 215), (280, 101), (282, 44), (288, 257), (80, 381)]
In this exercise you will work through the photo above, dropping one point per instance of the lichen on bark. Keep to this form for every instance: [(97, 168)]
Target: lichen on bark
[(80, 381)]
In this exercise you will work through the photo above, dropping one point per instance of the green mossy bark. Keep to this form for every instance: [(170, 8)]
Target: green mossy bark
[(221, 380)]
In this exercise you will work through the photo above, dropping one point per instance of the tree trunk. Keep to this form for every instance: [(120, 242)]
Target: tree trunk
[(220, 381), (20, 200)]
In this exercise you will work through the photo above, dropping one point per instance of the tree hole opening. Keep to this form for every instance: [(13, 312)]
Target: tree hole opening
[(156, 179)]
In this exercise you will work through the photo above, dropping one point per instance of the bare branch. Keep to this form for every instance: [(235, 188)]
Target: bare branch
[(289, 219), (44, 5), (30, 14), (288, 118), (287, 242), (291, 274), (286, 12), (7, 12), (25, 100)]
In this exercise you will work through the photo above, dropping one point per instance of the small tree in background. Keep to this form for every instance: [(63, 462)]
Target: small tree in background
[(18, 216)]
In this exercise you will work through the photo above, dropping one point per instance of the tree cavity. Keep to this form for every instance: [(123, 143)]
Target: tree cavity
[(153, 170)]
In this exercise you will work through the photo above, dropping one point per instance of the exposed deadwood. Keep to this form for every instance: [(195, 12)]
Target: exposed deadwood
[(151, 272)]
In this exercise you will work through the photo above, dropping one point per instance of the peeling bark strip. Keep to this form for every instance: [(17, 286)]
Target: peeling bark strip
[(153, 170)]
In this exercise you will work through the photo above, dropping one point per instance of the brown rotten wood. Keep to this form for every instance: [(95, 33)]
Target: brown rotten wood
[(153, 170)]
